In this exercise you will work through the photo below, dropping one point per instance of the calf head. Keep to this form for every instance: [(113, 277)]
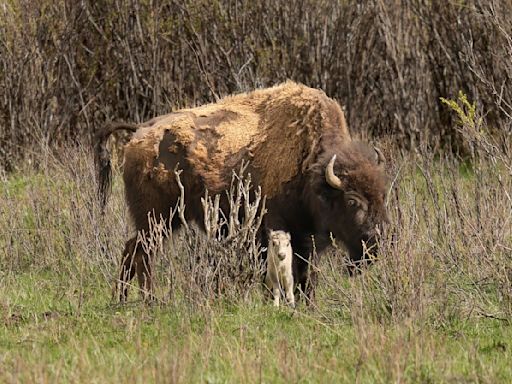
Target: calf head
[(280, 243)]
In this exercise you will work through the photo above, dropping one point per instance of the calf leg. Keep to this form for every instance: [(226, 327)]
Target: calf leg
[(288, 284), (273, 283), (277, 293), (268, 282)]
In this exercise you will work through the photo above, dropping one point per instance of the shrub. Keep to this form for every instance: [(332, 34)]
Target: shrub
[(67, 68)]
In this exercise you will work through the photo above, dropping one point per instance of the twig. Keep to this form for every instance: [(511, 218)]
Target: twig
[(181, 206)]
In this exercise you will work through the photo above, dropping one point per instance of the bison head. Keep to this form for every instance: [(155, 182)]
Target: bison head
[(349, 196)]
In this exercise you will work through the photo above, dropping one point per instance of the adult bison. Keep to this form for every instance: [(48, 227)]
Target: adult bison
[(316, 178)]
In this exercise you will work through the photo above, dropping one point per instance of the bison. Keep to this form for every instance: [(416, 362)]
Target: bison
[(318, 181)]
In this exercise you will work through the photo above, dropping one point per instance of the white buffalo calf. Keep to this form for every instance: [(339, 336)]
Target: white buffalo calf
[(279, 266)]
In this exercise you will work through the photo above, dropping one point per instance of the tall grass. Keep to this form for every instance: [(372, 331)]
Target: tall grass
[(435, 306)]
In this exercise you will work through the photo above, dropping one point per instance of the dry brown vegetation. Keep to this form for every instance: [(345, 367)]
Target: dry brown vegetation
[(68, 67), (435, 307)]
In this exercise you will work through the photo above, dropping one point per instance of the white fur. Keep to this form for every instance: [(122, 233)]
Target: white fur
[(279, 266)]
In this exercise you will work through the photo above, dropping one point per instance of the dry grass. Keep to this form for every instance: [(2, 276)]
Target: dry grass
[(435, 307)]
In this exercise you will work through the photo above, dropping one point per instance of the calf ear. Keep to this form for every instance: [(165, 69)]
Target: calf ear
[(288, 236)]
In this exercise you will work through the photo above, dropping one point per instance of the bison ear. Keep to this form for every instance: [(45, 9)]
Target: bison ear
[(379, 157)]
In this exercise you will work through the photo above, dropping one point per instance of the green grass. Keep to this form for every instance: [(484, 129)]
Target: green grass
[(45, 337)]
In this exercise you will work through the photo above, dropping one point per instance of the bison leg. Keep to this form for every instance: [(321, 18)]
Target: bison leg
[(306, 276), (310, 286), (143, 265), (300, 272), (127, 268), (135, 260)]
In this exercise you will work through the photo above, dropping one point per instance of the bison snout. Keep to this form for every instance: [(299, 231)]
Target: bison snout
[(281, 255)]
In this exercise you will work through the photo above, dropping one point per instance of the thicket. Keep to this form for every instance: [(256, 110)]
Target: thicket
[(445, 257), (68, 67)]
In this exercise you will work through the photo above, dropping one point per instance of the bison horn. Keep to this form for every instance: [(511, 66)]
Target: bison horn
[(333, 180), (380, 157)]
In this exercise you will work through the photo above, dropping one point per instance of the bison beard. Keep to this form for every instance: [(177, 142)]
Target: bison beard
[(317, 180)]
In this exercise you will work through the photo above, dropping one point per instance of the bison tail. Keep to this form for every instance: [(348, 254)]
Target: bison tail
[(102, 159)]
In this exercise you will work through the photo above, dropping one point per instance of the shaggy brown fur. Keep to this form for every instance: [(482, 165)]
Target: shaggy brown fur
[(288, 133)]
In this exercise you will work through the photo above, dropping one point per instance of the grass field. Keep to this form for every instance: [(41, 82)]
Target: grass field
[(436, 307)]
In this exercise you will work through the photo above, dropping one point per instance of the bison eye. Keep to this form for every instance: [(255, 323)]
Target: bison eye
[(355, 203)]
